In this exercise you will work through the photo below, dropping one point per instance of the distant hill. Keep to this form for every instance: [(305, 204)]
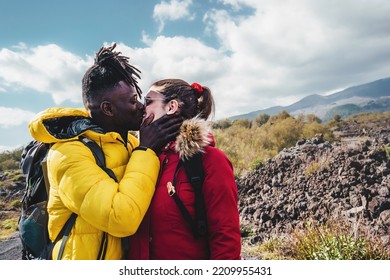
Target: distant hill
[(370, 97)]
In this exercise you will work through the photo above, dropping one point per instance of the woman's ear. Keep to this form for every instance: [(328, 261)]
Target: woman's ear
[(107, 108), (172, 107)]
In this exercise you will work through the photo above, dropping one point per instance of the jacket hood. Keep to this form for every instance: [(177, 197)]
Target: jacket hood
[(61, 124), (194, 136)]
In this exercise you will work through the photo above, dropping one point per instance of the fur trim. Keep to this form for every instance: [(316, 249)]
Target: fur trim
[(194, 136)]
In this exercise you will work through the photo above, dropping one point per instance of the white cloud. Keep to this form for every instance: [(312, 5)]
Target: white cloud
[(172, 11), (184, 58), (235, 4), (46, 68), (8, 148), (14, 116), (284, 51), (281, 52), (288, 49)]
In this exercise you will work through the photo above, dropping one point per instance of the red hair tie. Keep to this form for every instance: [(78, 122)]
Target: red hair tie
[(198, 88)]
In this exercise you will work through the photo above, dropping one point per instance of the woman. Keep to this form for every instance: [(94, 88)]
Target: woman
[(165, 233)]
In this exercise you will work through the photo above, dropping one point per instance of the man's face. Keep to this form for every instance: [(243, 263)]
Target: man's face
[(126, 109)]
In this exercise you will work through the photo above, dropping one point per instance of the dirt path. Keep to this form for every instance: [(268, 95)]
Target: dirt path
[(11, 249)]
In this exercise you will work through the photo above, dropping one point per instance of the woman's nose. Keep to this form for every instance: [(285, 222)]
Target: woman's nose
[(141, 106)]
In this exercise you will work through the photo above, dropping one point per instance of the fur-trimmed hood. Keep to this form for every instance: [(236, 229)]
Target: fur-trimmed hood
[(195, 135)]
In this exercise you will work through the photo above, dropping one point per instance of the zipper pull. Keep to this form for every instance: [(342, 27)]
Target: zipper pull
[(171, 189), (165, 162)]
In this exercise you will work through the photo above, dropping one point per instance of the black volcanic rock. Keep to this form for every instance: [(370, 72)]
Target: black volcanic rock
[(322, 181)]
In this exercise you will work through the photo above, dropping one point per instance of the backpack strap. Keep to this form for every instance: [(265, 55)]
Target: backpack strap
[(65, 231), (186, 215), (101, 161), (195, 174), (98, 154), (45, 176)]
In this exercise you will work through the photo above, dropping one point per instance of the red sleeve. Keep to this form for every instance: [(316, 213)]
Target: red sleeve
[(221, 197)]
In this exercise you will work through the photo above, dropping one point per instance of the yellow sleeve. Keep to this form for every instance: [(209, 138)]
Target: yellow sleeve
[(85, 189)]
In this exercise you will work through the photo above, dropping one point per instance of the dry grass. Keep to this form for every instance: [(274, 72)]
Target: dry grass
[(8, 227), (332, 241), (8, 223), (335, 241), (318, 164), (10, 204), (387, 150)]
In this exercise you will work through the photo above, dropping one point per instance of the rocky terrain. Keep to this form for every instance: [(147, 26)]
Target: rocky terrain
[(12, 184), (319, 181)]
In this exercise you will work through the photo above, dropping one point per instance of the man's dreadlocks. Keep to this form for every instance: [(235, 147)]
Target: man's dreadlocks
[(108, 70)]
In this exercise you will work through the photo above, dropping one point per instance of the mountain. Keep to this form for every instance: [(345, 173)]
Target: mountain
[(370, 97)]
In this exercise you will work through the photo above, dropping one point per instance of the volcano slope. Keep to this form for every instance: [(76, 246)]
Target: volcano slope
[(316, 182)]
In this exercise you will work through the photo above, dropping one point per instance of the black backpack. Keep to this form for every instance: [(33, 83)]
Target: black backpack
[(195, 174), (33, 221)]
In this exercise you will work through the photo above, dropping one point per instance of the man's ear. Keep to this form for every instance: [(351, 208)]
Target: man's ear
[(172, 106), (107, 108)]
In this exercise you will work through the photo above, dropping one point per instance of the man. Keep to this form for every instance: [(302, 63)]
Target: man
[(77, 184)]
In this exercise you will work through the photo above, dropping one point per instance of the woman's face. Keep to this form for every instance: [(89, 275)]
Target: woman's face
[(154, 103)]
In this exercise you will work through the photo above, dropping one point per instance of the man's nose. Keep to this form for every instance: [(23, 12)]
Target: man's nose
[(141, 106)]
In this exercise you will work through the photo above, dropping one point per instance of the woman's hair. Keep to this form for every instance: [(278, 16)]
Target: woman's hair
[(194, 100), (108, 70)]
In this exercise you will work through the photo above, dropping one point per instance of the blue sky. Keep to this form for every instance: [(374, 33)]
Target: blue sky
[(253, 54)]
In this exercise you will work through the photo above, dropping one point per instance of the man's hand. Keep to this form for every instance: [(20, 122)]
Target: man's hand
[(157, 134)]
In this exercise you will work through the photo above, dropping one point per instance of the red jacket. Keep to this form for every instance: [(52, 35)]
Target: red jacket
[(164, 233)]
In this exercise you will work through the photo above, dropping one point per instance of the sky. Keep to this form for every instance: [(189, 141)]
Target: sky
[(252, 54)]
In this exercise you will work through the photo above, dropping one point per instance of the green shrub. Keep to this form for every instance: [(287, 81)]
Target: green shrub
[(17, 177), (10, 224), (16, 203), (256, 164), (246, 230), (312, 168), (11, 157), (271, 249), (242, 123), (246, 143), (222, 124), (387, 150), (334, 241), (9, 164), (313, 118), (260, 120), (248, 147)]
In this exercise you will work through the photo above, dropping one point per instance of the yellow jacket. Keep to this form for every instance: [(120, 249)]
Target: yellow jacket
[(79, 185)]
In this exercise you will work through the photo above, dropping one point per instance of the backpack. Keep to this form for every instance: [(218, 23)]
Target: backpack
[(33, 221), (195, 174)]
